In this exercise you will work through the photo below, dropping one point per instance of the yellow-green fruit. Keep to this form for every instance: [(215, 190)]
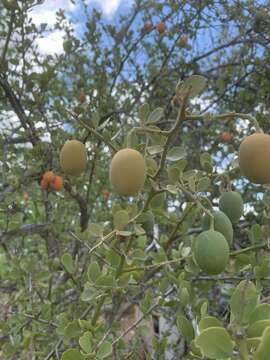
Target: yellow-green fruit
[(211, 252), (254, 158), (231, 203), (73, 157), (222, 224), (127, 172)]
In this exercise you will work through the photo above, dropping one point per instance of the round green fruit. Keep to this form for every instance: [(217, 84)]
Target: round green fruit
[(127, 172), (222, 224), (231, 203), (211, 252), (73, 157), (254, 157)]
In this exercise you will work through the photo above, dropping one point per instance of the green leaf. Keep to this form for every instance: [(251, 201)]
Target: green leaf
[(155, 116), (120, 219), (261, 312), (105, 350), (173, 174), (203, 184), (106, 281), (72, 330), (93, 271), (186, 328), (215, 343), (243, 301), (72, 354), (144, 112), (209, 321), (96, 229), (255, 234), (206, 162), (176, 153), (263, 351), (67, 262), (155, 149), (85, 342), (197, 84), (257, 328), (158, 200)]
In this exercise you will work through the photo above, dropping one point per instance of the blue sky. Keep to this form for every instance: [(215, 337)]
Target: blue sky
[(46, 13)]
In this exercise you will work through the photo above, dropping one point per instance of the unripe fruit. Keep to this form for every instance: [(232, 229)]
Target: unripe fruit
[(127, 172), (254, 158), (73, 157), (49, 176), (161, 27), (82, 97), (222, 224), (211, 252), (183, 41), (57, 183), (231, 203), (226, 137), (44, 184)]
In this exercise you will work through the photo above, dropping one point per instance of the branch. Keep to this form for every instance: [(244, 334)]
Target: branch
[(82, 205), (18, 109), (28, 229)]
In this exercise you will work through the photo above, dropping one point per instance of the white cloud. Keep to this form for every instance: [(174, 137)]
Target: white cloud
[(109, 7), (52, 43), (46, 12)]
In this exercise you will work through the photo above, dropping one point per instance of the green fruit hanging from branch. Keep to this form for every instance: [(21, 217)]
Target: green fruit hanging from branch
[(222, 224), (127, 172), (73, 157), (211, 252), (254, 158), (231, 203)]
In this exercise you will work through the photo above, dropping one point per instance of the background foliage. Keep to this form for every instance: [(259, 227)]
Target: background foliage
[(64, 284)]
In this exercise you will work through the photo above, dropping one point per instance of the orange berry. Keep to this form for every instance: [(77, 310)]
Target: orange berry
[(161, 27), (49, 176), (25, 196), (105, 193), (175, 101), (226, 137), (44, 184), (82, 97), (183, 41), (146, 27), (57, 183)]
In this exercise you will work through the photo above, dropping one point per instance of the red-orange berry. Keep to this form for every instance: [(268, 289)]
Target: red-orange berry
[(49, 176), (57, 183), (25, 196), (82, 97), (161, 27), (105, 193), (226, 137), (183, 41), (175, 101), (44, 184), (146, 27)]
